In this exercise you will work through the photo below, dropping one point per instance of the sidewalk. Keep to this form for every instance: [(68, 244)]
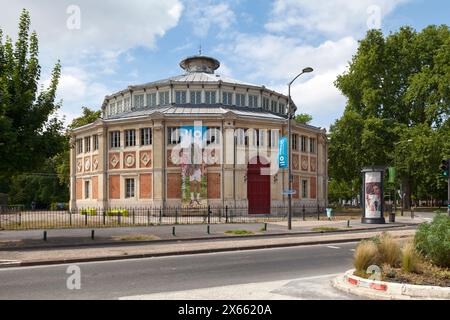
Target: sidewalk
[(26, 248), (60, 238)]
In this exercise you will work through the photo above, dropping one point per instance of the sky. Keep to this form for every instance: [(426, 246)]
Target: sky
[(105, 47)]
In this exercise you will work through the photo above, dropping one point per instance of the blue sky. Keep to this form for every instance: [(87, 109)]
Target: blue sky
[(120, 43)]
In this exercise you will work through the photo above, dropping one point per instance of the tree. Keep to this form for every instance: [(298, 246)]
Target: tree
[(303, 118), (30, 132), (397, 89)]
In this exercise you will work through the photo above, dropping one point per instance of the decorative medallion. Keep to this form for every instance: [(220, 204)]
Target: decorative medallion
[(95, 164), (295, 162), (114, 161), (129, 160), (145, 159), (313, 164), (79, 166), (87, 164), (304, 163)]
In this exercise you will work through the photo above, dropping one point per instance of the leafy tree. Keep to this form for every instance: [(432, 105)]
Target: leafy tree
[(303, 118), (397, 89), (30, 132)]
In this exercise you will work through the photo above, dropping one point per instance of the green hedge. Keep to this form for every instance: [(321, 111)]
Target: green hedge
[(117, 212), (90, 212), (433, 240)]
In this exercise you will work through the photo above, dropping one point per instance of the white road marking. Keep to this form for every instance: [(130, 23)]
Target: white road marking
[(353, 250), (333, 247)]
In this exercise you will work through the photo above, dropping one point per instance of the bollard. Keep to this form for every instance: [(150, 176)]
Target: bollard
[(265, 226), (318, 213), (45, 235), (226, 214), (208, 229), (304, 213), (209, 214), (148, 217), (173, 231), (160, 216), (348, 223), (92, 234)]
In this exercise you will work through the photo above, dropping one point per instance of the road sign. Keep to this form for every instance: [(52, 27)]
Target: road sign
[(289, 192)]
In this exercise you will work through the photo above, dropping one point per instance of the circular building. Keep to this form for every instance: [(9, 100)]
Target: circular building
[(193, 140)]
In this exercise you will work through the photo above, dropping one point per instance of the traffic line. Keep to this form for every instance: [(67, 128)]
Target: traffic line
[(333, 247)]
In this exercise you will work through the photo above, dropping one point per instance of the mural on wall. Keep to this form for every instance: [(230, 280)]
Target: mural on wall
[(193, 167)]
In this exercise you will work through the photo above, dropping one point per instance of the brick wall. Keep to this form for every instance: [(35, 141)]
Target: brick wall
[(174, 185), (114, 187), (95, 188), (214, 184), (145, 186)]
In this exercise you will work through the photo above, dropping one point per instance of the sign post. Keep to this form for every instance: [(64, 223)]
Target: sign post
[(373, 199)]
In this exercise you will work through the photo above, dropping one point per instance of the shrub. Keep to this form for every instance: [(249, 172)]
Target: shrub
[(410, 258), (366, 254), (117, 212), (432, 240), (90, 212), (389, 250)]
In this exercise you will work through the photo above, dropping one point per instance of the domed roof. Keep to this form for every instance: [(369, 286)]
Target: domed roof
[(200, 63)]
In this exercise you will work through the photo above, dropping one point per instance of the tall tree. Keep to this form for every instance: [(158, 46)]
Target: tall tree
[(397, 89), (30, 132)]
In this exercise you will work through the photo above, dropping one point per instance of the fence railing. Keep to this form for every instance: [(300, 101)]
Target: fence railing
[(20, 219)]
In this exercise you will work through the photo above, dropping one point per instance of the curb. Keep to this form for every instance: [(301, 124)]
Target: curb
[(175, 253), (161, 241), (382, 290)]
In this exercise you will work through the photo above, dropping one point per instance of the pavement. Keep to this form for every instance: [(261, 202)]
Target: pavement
[(60, 238), (301, 272)]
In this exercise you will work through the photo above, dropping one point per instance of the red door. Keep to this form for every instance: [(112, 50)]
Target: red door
[(258, 189)]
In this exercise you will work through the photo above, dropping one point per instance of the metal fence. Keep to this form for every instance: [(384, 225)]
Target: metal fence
[(19, 219)]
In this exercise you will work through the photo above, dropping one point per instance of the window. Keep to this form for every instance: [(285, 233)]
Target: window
[(139, 101), (86, 189), (210, 97), (151, 99), (95, 139), (312, 145), (173, 135), (266, 103), (262, 138), (119, 106), (127, 104), (129, 188), (274, 106), (304, 143), (240, 100), (164, 98), (212, 136), (255, 137), (196, 97), (114, 139), (130, 138), (146, 136), (79, 146), (241, 139), (253, 101), (180, 97), (282, 108), (273, 138), (294, 142), (87, 144), (227, 98), (304, 188), (112, 107)]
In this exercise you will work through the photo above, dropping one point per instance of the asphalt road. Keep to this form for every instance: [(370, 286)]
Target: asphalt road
[(115, 279)]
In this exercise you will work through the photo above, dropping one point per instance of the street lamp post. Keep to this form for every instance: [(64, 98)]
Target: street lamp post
[(395, 181), (290, 115)]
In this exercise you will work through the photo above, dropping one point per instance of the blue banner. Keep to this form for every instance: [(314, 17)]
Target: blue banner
[(282, 153)]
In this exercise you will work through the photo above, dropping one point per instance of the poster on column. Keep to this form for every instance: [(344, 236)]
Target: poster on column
[(193, 167), (373, 197)]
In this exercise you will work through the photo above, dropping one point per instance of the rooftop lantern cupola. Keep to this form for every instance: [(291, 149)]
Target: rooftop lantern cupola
[(200, 64)]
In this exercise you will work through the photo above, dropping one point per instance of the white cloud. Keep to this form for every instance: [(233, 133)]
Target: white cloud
[(332, 17), (205, 14), (275, 60), (115, 26)]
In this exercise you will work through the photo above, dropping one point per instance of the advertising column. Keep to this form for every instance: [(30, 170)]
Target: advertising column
[(373, 199)]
